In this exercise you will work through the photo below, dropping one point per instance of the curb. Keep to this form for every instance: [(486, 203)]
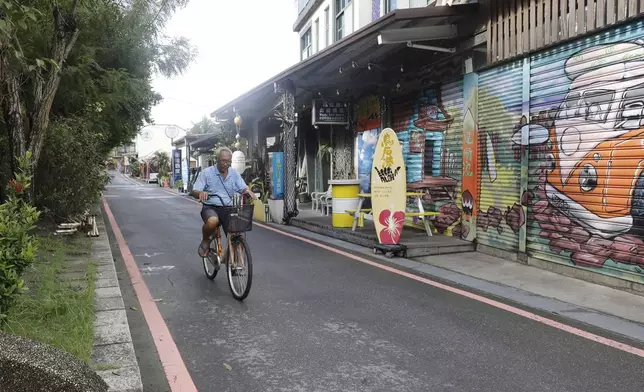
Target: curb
[(550, 307), (113, 348)]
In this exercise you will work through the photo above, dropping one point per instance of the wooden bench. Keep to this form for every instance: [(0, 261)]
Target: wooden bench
[(422, 215)]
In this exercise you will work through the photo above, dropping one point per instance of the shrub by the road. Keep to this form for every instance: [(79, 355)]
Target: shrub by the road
[(71, 173), (17, 245)]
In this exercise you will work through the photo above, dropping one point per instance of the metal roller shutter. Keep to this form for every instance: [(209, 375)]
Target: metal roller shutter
[(500, 108), (403, 111), (452, 102), (586, 187)]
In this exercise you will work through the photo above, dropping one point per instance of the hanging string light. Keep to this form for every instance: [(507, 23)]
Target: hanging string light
[(238, 123)]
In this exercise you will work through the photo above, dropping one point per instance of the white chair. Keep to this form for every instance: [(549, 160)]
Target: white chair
[(316, 198), (326, 201)]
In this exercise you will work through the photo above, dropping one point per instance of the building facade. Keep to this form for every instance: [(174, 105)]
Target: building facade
[(321, 23), (524, 129)]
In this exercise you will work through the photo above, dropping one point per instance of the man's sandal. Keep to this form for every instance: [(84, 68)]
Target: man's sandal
[(203, 250)]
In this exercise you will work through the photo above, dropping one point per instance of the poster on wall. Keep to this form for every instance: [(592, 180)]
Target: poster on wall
[(368, 117), (366, 147), (330, 112), (176, 165), (277, 175)]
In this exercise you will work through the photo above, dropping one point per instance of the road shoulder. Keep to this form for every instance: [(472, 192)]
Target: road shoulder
[(577, 310)]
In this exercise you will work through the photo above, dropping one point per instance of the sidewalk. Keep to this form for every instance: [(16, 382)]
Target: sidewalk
[(556, 295), (113, 348)]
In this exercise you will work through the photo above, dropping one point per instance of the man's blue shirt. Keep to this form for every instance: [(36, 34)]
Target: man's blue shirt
[(211, 181)]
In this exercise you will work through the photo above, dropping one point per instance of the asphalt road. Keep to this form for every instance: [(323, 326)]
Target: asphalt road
[(318, 321)]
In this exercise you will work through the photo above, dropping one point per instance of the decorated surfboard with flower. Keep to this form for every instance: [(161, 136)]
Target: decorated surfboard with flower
[(388, 188)]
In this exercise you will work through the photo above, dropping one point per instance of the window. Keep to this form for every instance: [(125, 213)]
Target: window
[(339, 27), (429, 158), (340, 6), (390, 5), (305, 44), (420, 3), (327, 27), (316, 32)]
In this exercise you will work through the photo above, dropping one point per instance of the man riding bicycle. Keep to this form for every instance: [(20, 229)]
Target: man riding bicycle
[(214, 188)]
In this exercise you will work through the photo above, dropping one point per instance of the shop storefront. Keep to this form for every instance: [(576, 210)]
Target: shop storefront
[(560, 136)]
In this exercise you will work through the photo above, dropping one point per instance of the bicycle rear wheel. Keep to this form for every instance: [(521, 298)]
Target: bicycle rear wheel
[(211, 262), (240, 271)]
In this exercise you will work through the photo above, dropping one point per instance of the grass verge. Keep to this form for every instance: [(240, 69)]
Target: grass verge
[(58, 309)]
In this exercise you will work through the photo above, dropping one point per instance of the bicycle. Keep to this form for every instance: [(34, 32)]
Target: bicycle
[(240, 269)]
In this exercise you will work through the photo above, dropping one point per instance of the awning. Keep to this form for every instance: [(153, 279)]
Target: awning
[(181, 142), (365, 64), (204, 142)]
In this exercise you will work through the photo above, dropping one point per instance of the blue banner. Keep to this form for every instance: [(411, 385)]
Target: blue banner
[(277, 178), (176, 164)]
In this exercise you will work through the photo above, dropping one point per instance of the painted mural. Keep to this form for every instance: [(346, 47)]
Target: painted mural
[(499, 218), (586, 143), (423, 125), (469, 198)]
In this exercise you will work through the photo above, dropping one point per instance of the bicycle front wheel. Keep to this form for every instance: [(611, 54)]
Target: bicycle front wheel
[(211, 262), (239, 268)]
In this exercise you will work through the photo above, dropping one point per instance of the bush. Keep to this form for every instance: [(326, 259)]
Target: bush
[(71, 173), (17, 246)]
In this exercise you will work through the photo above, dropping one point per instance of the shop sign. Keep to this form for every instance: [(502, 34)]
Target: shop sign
[(176, 164), (330, 113), (278, 175)]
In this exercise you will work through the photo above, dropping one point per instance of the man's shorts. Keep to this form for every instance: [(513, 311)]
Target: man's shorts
[(223, 213)]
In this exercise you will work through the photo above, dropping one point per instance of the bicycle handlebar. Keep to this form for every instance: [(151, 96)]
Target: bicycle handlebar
[(222, 200)]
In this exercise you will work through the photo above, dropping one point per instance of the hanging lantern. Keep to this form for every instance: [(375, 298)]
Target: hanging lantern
[(238, 162), (238, 121)]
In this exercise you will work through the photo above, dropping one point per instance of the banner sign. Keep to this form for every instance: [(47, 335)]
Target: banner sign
[(328, 112), (176, 165), (278, 175)]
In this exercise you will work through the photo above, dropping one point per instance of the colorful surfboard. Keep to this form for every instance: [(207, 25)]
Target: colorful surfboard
[(388, 188)]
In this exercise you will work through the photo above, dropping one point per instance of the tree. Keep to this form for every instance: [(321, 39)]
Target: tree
[(163, 161), (108, 72), (204, 126), (27, 113)]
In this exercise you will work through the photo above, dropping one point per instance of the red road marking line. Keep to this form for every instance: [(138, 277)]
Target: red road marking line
[(175, 369), (520, 312)]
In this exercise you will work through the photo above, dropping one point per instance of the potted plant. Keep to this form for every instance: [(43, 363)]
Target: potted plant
[(179, 185)]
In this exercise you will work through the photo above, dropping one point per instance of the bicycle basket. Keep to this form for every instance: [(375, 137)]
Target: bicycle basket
[(241, 219)]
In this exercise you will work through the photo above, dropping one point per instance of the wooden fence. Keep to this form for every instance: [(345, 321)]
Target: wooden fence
[(516, 27)]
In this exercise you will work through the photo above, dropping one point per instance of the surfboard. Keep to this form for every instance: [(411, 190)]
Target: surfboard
[(388, 188)]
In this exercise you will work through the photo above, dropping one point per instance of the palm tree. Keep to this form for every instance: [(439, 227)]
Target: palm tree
[(163, 160)]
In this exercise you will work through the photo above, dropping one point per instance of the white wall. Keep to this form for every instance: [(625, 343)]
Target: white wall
[(159, 141), (362, 13)]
